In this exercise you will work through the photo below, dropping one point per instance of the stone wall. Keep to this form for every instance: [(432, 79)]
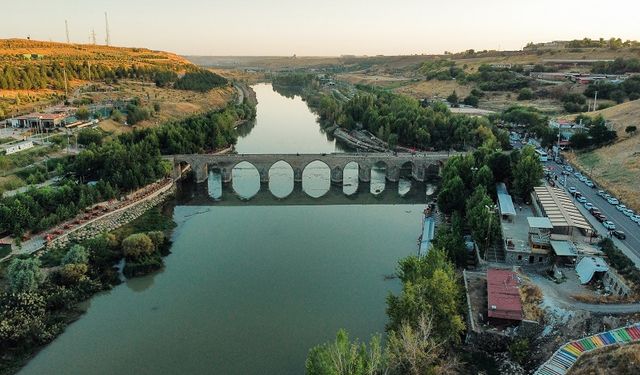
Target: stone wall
[(112, 221)]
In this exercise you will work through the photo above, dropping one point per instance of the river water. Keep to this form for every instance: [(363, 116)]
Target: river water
[(252, 284)]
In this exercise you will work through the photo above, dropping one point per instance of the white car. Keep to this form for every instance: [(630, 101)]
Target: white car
[(582, 178), (628, 212), (588, 206), (613, 201), (581, 199), (589, 183), (609, 225), (568, 168), (621, 207), (572, 190), (577, 174), (635, 218)]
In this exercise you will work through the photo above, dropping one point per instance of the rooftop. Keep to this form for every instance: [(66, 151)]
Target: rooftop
[(559, 208), (503, 295), (539, 222)]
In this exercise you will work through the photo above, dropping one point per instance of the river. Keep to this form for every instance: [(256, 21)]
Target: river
[(253, 279)]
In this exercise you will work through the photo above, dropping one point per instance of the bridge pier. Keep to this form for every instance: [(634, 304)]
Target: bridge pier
[(393, 173), (337, 174), (201, 171), (297, 174), (364, 174)]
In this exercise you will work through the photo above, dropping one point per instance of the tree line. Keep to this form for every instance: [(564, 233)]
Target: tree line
[(34, 76), (200, 80)]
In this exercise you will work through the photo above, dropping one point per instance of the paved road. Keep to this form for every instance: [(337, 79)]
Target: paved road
[(622, 222)]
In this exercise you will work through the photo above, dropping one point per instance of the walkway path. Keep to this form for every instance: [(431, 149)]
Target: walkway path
[(568, 354)]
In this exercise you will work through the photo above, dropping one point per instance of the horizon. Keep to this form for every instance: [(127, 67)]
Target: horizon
[(362, 28)]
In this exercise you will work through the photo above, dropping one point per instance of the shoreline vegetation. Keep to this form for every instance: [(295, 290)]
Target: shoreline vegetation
[(43, 290)]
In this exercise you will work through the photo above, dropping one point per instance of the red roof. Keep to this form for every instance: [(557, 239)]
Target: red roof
[(503, 295)]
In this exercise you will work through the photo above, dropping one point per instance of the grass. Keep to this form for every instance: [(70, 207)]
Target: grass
[(10, 183), (623, 359)]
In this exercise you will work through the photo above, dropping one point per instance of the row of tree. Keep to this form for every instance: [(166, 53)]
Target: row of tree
[(34, 76), (200, 80)]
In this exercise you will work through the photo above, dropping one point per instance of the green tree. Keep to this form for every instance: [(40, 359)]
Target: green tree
[(24, 275), (83, 113), (452, 196), (137, 246), (527, 173), (484, 177), (471, 100), (525, 94), (453, 99), (77, 254), (158, 238), (343, 357), (89, 136), (631, 129)]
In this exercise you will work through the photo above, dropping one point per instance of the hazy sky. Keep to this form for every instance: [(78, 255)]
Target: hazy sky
[(321, 27)]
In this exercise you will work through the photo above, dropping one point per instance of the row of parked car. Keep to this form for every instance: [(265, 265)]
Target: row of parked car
[(597, 214)]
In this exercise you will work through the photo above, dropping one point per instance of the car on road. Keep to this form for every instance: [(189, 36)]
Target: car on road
[(572, 190), (601, 193), (600, 217), (635, 218), (607, 196), (577, 175), (594, 210), (609, 225), (568, 168), (581, 199), (619, 234), (582, 178), (590, 183), (628, 212), (613, 201), (588, 205), (621, 207)]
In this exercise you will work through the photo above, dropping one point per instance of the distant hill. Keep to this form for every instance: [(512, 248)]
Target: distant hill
[(620, 116), (22, 51)]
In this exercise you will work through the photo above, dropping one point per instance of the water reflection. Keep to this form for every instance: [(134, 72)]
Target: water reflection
[(214, 184), (404, 186), (378, 177), (350, 179), (245, 180), (316, 179), (281, 179)]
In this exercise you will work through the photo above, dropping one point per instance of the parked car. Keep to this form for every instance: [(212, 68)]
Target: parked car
[(577, 175), (635, 218), (609, 225), (581, 199), (582, 178), (619, 234), (600, 217), (628, 212), (607, 196), (594, 211), (572, 190), (568, 168), (588, 205), (590, 184), (613, 201), (621, 207), (601, 193)]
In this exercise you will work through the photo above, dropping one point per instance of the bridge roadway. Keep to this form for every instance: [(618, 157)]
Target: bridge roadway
[(423, 165)]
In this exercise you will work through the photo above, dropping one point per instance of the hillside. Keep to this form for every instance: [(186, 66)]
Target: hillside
[(16, 51), (620, 116)]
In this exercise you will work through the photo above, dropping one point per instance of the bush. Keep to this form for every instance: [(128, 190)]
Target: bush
[(137, 246), (525, 94), (201, 80), (76, 255), (520, 350)]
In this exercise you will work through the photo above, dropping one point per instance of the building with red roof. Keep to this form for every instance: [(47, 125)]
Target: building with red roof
[(503, 295)]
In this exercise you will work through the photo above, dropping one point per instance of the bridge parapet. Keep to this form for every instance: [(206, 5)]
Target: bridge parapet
[(422, 165)]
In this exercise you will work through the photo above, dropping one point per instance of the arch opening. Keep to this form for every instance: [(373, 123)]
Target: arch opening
[(214, 183), (378, 177), (281, 179), (405, 178), (316, 179), (350, 178), (245, 180)]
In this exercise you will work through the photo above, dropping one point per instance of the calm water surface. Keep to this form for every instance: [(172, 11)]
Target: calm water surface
[(249, 288)]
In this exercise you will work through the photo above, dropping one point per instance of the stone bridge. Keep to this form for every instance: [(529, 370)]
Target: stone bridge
[(421, 165)]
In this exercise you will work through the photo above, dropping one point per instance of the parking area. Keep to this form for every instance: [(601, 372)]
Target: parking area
[(630, 244)]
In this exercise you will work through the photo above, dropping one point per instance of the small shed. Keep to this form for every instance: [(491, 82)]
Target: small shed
[(505, 202), (588, 267)]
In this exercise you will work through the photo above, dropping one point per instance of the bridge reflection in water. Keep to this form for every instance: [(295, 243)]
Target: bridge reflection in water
[(217, 193)]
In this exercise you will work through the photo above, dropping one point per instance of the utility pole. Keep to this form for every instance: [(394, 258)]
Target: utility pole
[(66, 29), (595, 100), (66, 91), (106, 24), (93, 36)]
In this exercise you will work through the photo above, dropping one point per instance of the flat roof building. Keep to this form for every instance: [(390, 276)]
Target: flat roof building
[(567, 221), (503, 295)]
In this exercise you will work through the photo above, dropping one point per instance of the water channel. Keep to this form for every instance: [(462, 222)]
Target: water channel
[(258, 274)]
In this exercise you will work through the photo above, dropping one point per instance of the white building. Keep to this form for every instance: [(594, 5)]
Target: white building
[(12, 149)]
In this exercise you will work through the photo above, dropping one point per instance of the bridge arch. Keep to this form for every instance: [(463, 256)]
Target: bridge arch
[(350, 178), (281, 179), (378, 181), (316, 178), (245, 179)]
